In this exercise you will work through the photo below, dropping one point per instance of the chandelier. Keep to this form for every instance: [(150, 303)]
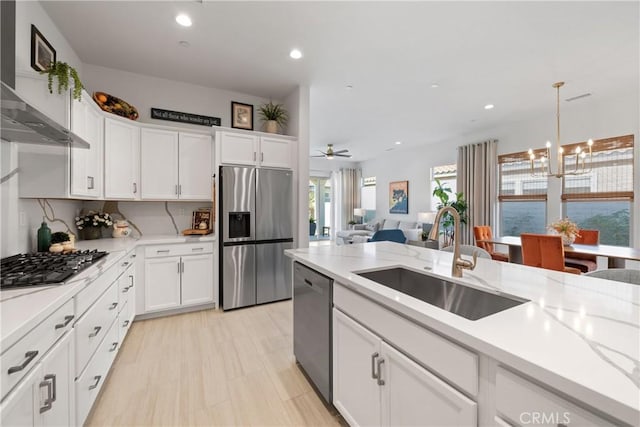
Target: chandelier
[(581, 167)]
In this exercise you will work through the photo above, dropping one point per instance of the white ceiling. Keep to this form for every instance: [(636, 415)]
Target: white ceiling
[(504, 53)]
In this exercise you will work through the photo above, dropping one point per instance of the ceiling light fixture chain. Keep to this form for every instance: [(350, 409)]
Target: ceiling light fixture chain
[(545, 159)]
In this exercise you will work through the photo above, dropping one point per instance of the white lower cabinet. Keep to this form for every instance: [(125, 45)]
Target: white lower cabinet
[(45, 396), (374, 384), (174, 278)]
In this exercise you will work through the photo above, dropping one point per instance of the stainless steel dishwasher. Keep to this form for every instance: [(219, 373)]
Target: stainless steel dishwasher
[(312, 301)]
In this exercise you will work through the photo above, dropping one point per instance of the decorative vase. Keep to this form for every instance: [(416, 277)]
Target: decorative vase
[(567, 240), (271, 126), (92, 233)]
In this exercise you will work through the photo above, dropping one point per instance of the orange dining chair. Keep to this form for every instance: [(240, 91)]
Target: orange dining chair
[(483, 232), (544, 251), (584, 262)]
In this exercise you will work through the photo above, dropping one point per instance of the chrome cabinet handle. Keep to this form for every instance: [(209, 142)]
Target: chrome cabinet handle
[(48, 402), (179, 271), (90, 183), (262, 157), (125, 290), (52, 377), (97, 379), (163, 251), (125, 324), (176, 189), (113, 306), (67, 319), (380, 380), (135, 188), (29, 356), (114, 345), (373, 365), (179, 189), (95, 331), (131, 285), (124, 264), (197, 249)]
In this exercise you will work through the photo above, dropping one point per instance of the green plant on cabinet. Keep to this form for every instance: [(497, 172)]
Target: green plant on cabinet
[(63, 71)]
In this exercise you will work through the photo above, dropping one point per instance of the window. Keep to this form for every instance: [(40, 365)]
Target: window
[(447, 175), (522, 197), (602, 199), (368, 198), (320, 207)]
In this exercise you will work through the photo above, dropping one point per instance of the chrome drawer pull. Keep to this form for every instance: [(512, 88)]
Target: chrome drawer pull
[(113, 306), (52, 377), (67, 319), (124, 264), (197, 249), (94, 385), (164, 251), (373, 365), (113, 346), (125, 290), (30, 355), (48, 402), (95, 331), (125, 324), (380, 380)]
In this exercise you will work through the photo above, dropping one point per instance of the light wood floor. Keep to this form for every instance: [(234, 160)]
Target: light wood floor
[(210, 368)]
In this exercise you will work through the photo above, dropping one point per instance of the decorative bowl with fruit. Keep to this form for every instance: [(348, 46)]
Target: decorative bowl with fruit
[(112, 104)]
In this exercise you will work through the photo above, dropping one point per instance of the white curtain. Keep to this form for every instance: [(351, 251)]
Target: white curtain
[(346, 188), (476, 179)]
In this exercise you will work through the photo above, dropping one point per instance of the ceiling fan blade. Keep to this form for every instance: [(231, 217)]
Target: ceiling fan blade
[(321, 155), (341, 151), (342, 155)]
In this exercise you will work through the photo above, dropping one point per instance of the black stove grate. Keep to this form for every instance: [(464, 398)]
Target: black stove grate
[(44, 268)]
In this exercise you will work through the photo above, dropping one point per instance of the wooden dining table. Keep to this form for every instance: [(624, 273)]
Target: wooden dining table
[(615, 254)]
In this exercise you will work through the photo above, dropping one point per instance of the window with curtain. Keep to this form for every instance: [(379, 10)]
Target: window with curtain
[(602, 199), (522, 197)]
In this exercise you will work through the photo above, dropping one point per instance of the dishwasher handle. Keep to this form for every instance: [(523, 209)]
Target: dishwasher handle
[(313, 287)]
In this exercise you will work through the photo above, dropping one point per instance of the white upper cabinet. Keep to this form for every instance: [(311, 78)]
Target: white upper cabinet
[(195, 166), (121, 163), (175, 165), (87, 164), (255, 150), (158, 164), (238, 148), (275, 152)]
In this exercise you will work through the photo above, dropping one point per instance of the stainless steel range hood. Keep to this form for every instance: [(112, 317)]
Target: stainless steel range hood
[(23, 123)]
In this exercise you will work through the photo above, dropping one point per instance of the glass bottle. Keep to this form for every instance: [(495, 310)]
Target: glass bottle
[(44, 237)]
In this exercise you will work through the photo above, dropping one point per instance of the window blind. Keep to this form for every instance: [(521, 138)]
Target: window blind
[(516, 180)]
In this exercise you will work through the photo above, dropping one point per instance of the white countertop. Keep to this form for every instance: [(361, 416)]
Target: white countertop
[(578, 334), (24, 308)]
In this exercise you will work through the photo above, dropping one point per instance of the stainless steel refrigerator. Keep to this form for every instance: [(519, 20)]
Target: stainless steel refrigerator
[(256, 226)]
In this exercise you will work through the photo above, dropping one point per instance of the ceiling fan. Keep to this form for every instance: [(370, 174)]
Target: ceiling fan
[(330, 154)]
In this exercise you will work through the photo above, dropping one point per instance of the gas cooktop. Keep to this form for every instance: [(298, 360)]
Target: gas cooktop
[(44, 268)]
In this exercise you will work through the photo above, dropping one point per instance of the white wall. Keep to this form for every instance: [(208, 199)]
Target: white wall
[(594, 117), (22, 217), (145, 92), (319, 166)]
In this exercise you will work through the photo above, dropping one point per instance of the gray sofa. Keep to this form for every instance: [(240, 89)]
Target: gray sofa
[(411, 230)]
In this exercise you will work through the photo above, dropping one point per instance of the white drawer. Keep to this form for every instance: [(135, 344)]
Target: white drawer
[(88, 385), (523, 403), (92, 327), (19, 359), (90, 294), (178, 249), (452, 362)]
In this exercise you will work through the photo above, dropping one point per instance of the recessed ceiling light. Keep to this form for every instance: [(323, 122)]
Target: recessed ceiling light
[(295, 54), (488, 106), (184, 43), (183, 20), (398, 142), (435, 85)]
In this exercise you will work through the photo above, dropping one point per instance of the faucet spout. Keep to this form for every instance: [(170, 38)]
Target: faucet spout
[(458, 263)]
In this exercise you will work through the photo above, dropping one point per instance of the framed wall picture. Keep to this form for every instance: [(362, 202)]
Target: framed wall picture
[(42, 53), (399, 197), (241, 116), (202, 219)]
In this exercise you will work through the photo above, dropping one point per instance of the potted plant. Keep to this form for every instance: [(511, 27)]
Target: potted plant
[(92, 223), (459, 204), (312, 226), (62, 71), (274, 116), (567, 229)]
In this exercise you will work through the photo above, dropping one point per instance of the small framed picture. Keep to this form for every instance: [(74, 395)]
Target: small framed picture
[(201, 219), (42, 53), (241, 116), (399, 197)]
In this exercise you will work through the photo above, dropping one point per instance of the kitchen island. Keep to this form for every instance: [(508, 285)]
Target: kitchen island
[(569, 355)]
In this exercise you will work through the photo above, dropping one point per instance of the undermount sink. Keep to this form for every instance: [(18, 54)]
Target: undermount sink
[(464, 301)]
